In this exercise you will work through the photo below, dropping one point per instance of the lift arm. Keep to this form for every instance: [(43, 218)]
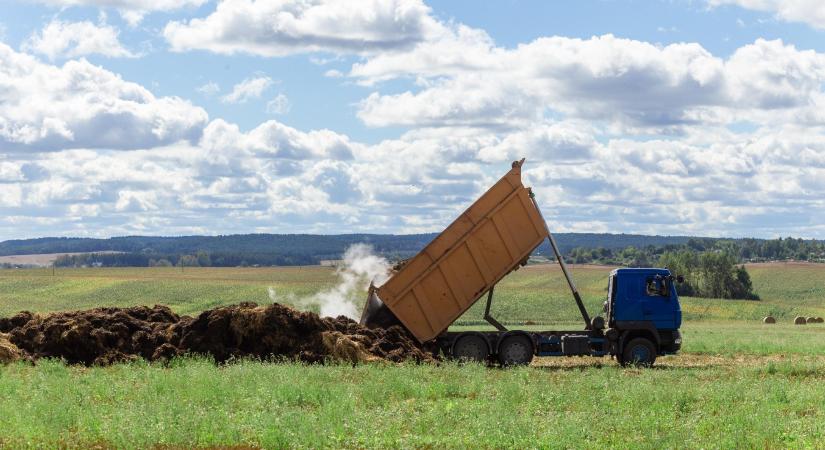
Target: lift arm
[(490, 319)]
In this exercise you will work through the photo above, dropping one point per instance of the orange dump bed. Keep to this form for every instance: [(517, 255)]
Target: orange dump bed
[(489, 240)]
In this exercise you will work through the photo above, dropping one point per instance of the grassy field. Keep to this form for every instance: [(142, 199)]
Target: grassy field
[(755, 402), (537, 293), (737, 383)]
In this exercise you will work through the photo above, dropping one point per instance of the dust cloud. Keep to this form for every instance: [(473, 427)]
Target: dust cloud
[(359, 267)]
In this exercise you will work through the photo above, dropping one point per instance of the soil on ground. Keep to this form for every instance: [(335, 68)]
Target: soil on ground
[(104, 336)]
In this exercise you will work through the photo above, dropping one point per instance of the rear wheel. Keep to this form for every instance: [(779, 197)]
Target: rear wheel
[(515, 351), (470, 347), (639, 352)]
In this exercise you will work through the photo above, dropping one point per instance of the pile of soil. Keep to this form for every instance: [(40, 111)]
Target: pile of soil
[(8, 351), (104, 336)]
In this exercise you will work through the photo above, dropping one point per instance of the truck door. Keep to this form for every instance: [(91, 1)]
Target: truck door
[(658, 302)]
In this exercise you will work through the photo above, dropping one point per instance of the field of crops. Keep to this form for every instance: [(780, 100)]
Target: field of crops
[(738, 383)]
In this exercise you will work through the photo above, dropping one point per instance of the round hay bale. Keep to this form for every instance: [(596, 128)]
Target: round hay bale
[(799, 320), (820, 320), (769, 319), (9, 352), (529, 322), (811, 320)]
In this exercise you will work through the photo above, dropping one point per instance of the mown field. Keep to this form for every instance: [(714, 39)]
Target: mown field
[(737, 384)]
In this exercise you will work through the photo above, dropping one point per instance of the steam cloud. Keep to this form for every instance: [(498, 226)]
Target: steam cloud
[(359, 268)]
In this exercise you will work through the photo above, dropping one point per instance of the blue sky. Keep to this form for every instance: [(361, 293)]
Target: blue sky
[(170, 117)]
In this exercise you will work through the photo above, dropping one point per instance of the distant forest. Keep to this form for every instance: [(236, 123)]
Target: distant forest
[(740, 250), (304, 249)]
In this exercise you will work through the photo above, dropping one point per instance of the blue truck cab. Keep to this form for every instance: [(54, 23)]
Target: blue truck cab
[(643, 315)]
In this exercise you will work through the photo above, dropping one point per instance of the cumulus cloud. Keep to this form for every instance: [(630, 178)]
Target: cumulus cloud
[(248, 89), (557, 142), (73, 39), (282, 28), (275, 178), (278, 105), (131, 10), (79, 105), (811, 12), (275, 140), (620, 81)]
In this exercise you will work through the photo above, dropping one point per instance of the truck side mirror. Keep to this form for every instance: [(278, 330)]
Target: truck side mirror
[(680, 279)]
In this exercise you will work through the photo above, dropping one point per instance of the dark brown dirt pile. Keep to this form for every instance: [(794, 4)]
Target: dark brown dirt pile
[(104, 336), (276, 330), (8, 351), (98, 336)]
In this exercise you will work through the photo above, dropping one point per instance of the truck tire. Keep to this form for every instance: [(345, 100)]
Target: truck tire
[(639, 352), (470, 347), (515, 351)]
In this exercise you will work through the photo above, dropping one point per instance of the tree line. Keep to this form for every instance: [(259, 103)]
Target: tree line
[(712, 268), (741, 250)]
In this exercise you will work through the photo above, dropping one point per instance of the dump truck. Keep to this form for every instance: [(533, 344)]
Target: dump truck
[(493, 237)]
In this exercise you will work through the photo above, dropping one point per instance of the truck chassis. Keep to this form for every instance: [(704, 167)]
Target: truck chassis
[(518, 347)]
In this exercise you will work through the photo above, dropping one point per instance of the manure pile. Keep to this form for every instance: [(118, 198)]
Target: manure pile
[(104, 336)]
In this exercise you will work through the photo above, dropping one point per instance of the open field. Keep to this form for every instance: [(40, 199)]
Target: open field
[(689, 402), (737, 383), (536, 293)]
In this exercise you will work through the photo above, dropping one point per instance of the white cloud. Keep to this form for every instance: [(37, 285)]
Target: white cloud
[(811, 12), (275, 178), (46, 108), (274, 140), (131, 10), (287, 27), (209, 89), (558, 142), (278, 105), (247, 89), (72, 39), (623, 82)]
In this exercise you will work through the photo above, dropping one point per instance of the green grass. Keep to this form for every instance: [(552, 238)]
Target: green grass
[(187, 292), (737, 383), (195, 403)]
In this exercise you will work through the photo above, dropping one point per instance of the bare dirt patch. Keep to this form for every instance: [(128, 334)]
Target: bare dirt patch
[(43, 259), (778, 264), (105, 336)]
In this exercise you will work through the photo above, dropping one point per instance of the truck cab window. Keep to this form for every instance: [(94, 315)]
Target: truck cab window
[(656, 287)]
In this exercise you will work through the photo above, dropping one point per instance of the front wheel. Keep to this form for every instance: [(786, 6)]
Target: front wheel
[(639, 352)]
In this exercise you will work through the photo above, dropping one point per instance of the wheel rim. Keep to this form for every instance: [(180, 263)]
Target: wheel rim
[(640, 353), (470, 348), (516, 351)]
